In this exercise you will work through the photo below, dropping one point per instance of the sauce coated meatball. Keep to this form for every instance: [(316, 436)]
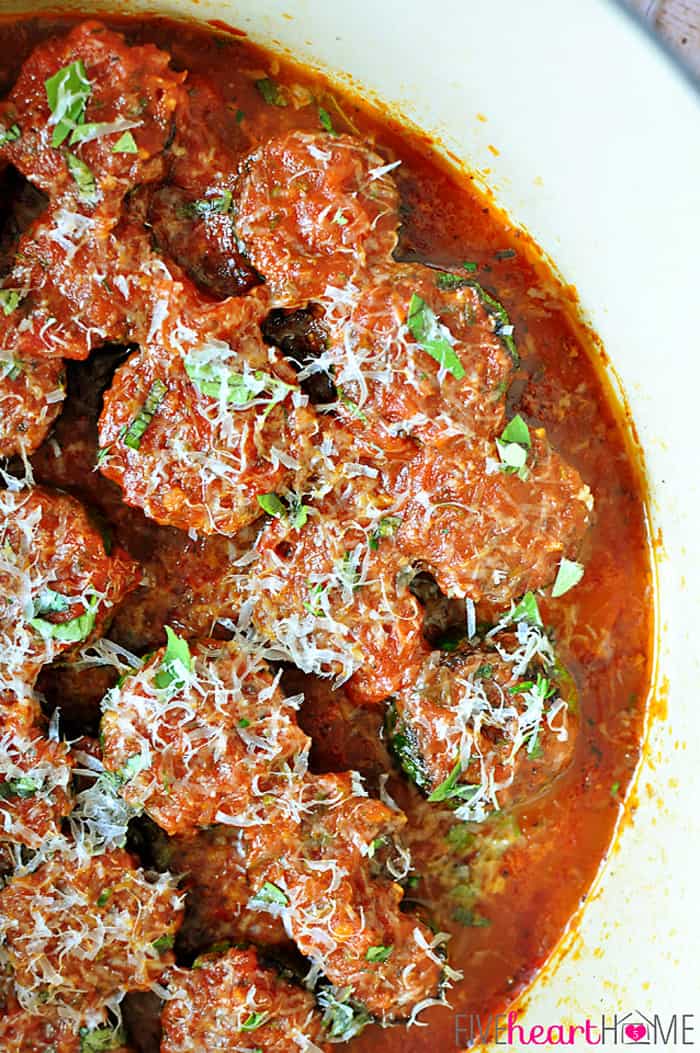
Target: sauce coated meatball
[(32, 391)]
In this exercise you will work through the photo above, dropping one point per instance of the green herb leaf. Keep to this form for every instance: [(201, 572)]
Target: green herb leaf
[(270, 893), (503, 327), (125, 144), (313, 605), (386, 527), (135, 764), (208, 206), (71, 631), (101, 1039), (22, 787), (451, 281), (484, 672), (254, 1021), (448, 787), (526, 611), (104, 897), (9, 135), (85, 180), (10, 369), (516, 430), (210, 373), (10, 300), (403, 745), (175, 664), (50, 602), (505, 254), (343, 1018), (67, 93), (272, 504), (355, 410), (615, 789), (270, 92), (339, 219), (136, 430), (469, 265), (464, 916), (326, 122), (379, 953), (568, 575), (164, 943), (433, 337)]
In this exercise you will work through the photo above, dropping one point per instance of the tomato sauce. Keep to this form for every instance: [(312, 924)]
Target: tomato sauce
[(506, 892)]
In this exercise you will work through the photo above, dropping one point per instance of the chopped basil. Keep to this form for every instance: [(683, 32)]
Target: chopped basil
[(379, 953), (270, 893), (104, 897), (208, 370), (240, 116), (568, 575), (10, 300), (101, 1039), (505, 254), (164, 943), (339, 219), (208, 206), (270, 92), (71, 631), (9, 135), (23, 787), (470, 266), (464, 916), (355, 410), (85, 180), (451, 281), (313, 605), (403, 745), (343, 1018), (526, 611), (136, 430), (175, 664), (326, 122), (450, 788), (386, 527), (513, 445), (254, 1021), (503, 327), (125, 144), (484, 672), (272, 504), (433, 337), (615, 789), (298, 511), (10, 369), (67, 93), (50, 602), (132, 767)]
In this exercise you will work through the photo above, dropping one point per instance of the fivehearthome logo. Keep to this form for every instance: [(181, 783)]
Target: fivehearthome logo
[(617, 1029)]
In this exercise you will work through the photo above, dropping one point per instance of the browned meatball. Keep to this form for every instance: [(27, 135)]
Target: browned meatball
[(411, 356), (317, 875), (232, 1002), (58, 586), (486, 533), (35, 777), (71, 131), (78, 933), (32, 391), (199, 735), (488, 728), (312, 210)]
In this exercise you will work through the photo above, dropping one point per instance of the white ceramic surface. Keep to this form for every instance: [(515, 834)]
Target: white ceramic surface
[(599, 140)]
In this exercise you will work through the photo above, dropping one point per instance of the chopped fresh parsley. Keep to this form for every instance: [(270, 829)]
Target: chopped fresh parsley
[(526, 611), (72, 631), (254, 1021), (379, 953), (22, 787), (9, 135), (164, 943), (568, 575), (271, 893), (67, 93), (513, 446), (270, 92), (175, 664), (101, 1039), (137, 429), (433, 337), (10, 300), (386, 527), (125, 144), (326, 122)]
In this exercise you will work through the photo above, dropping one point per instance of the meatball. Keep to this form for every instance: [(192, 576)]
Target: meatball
[(79, 934), (213, 868), (195, 438), (487, 728), (413, 356), (93, 117), (35, 777), (328, 591), (488, 533), (312, 210), (32, 391), (317, 874), (22, 1032), (201, 734), (58, 586), (232, 1002)]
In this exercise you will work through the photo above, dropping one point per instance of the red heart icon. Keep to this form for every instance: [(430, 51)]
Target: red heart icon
[(635, 1031)]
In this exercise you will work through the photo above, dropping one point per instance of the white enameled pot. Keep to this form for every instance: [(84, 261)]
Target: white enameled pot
[(598, 139)]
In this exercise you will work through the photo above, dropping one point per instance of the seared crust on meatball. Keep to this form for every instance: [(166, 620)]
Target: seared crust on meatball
[(78, 934), (312, 209), (232, 1002), (58, 586)]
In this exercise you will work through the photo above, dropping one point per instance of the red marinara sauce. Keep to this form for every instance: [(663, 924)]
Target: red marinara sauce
[(505, 893)]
